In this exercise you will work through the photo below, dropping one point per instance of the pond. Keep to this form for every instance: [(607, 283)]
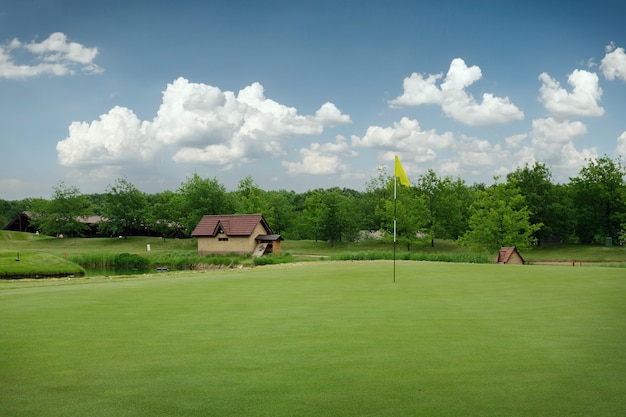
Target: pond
[(95, 272)]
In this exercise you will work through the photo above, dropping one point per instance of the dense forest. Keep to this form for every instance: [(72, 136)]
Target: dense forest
[(524, 208)]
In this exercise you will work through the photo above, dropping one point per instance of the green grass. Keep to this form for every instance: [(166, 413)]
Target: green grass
[(578, 253), (318, 339), (77, 246), (33, 264)]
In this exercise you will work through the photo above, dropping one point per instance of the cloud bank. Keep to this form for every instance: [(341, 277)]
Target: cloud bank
[(198, 123)]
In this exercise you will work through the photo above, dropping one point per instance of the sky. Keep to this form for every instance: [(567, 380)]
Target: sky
[(304, 95)]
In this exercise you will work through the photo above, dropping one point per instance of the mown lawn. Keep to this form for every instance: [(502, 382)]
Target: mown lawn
[(31, 264), (319, 339)]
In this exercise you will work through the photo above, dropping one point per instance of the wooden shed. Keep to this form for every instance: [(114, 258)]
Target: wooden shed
[(236, 233), (509, 255)]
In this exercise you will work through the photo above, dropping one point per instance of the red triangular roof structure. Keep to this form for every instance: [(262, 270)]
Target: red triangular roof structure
[(505, 253), (230, 225)]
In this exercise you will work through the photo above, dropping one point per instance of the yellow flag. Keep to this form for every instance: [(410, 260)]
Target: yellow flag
[(399, 172)]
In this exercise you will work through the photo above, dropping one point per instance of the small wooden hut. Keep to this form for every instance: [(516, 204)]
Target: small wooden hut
[(509, 255)]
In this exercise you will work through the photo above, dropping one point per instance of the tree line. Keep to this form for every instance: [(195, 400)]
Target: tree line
[(526, 207)]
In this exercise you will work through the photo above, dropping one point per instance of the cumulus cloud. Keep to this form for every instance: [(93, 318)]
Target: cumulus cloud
[(455, 102), (582, 101), (322, 159), (198, 123), (613, 65), (515, 140), (405, 135), (553, 143), (477, 154), (116, 137), (54, 55)]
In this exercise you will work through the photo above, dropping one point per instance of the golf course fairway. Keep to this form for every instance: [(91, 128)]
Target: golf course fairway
[(318, 339)]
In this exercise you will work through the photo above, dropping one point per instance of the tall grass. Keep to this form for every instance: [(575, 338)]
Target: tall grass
[(414, 256), (180, 260)]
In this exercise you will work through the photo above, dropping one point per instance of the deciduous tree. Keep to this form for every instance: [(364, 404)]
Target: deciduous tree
[(598, 193), (548, 203), (499, 217), (200, 196), (62, 214), (125, 209)]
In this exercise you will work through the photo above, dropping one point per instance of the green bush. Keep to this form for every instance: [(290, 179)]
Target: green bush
[(130, 260)]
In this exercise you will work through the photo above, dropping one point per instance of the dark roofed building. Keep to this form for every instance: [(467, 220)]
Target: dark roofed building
[(20, 223)]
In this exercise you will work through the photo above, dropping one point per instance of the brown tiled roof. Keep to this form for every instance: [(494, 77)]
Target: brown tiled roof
[(505, 253), (232, 224), (91, 219)]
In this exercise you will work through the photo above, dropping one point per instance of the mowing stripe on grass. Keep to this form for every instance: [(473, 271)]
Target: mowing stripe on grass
[(319, 339)]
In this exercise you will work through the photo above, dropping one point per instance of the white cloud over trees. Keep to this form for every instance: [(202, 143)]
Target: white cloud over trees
[(322, 159), (54, 56)]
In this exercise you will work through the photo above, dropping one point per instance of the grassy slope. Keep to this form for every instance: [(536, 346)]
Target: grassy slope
[(319, 339), (32, 264)]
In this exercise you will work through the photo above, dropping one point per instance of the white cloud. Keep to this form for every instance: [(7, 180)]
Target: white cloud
[(582, 101), (550, 130), (621, 147), (420, 150), (405, 136), (322, 159), (449, 168), (573, 159), (117, 137), (515, 140), (54, 56), (613, 65), (553, 144), (478, 154), (196, 123), (418, 90), (329, 115), (454, 100)]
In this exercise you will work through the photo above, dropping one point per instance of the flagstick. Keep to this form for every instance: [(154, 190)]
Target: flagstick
[(395, 180)]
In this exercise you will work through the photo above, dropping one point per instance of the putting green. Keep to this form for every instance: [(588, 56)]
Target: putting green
[(319, 339)]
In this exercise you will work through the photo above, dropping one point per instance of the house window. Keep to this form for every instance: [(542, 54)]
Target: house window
[(223, 239)]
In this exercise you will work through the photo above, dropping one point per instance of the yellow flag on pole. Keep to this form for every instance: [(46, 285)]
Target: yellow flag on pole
[(399, 172)]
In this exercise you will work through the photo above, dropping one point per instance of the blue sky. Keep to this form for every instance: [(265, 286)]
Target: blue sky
[(304, 95)]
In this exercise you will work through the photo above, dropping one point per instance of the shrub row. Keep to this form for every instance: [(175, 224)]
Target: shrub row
[(409, 256)]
